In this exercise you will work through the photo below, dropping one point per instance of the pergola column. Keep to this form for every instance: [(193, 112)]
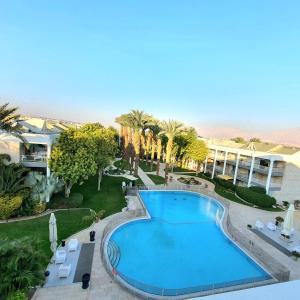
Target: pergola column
[(269, 176), (225, 162), (214, 166), (205, 164), (236, 167), (251, 171)]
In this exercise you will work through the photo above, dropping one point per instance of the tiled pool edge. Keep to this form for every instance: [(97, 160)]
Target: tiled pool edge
[(225, 225)]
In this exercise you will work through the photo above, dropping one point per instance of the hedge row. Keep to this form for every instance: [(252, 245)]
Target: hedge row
[(228, 184), (258, 189), (256, 198)]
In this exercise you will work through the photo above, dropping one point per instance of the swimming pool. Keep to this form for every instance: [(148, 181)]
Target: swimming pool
[(180, 249)]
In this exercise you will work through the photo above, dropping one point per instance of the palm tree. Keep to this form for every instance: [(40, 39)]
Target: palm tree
[(8, 121), (170, 129), (154, 131), (138, 122)]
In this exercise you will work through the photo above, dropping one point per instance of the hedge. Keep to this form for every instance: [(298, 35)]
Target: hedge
[(255, 198), (228, 184), (258, 189)]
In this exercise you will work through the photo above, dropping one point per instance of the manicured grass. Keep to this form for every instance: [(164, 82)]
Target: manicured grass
[(156, 179), (68, 223), (179, 169), (146, 167), (110, 198)]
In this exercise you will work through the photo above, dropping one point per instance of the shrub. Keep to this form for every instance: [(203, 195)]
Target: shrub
[(39, 208), (228, 184), (59, 201), (255, 198), (21, 265), (17, 295), (8, 204), (258, 189)]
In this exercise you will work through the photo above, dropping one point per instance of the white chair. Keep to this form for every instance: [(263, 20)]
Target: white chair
[(259, 225), (64, 271), (73, 244), (271, 226), (60, 256)]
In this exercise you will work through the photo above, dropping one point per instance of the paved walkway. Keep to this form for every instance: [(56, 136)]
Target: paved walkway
[(144, 177)]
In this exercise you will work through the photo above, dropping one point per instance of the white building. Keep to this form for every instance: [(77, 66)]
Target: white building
[(40, 134), (273, 167)]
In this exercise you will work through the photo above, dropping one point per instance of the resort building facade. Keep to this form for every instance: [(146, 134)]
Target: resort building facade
[(273, 167), (40, 134)]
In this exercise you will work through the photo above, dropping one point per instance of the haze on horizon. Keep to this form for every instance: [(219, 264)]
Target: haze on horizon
[(226, 67)]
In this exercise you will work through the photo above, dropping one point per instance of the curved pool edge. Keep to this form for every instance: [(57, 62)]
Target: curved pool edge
[(223, 224)]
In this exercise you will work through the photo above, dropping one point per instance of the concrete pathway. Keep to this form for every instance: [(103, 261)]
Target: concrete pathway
[(144, 177)]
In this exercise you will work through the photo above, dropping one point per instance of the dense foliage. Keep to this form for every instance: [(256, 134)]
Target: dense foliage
[(13, 189), (21, 265)]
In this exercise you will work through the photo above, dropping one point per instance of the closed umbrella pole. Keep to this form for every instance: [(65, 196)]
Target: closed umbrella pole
[(288, 221), (52, 233)]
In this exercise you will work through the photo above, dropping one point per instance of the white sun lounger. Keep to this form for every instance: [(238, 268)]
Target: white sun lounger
[(73, 244), (60, 256), (271, 226), (64, 271), (259, 225)]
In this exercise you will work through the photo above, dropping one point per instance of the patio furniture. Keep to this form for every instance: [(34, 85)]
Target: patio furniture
[(60, 256), (73, 244), (271, 226), (259, 225), (64, 271)]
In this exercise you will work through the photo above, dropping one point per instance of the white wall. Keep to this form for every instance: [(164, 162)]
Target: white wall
[(12, 149)]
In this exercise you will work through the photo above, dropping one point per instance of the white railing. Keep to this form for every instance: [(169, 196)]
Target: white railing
[(34, 157)]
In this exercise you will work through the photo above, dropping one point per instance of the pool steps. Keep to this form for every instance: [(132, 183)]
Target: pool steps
[(114, 254)]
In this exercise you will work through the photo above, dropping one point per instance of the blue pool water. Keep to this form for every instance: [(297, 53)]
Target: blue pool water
[(181, 249)]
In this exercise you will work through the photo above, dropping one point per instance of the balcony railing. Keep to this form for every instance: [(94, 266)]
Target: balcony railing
[(34, 157)]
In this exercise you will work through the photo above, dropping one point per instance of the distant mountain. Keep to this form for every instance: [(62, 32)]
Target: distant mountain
[(290, 137)]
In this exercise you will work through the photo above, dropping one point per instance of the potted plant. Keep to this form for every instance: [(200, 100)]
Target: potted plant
[(278, 220)]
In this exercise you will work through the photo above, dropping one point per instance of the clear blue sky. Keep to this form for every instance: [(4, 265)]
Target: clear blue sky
[(233, 63)]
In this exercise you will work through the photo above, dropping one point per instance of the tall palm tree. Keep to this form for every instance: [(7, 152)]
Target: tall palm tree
[(154, 131), (8, 121), (170, 128), (138, 122)]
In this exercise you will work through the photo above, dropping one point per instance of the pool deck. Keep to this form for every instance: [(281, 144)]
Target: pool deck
[(103, 286)]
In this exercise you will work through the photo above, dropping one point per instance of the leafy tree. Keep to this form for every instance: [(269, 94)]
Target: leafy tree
[(171, 129), (8, 121), (239, 139), (255, 140), (197, 151), (183, 140), (104, 140), (21, 265), (73, 158)]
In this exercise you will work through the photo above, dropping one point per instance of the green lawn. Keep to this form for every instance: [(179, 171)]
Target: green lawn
[(110, 198), (68, 223), (156, 179), (146, 167), (179, 169)]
